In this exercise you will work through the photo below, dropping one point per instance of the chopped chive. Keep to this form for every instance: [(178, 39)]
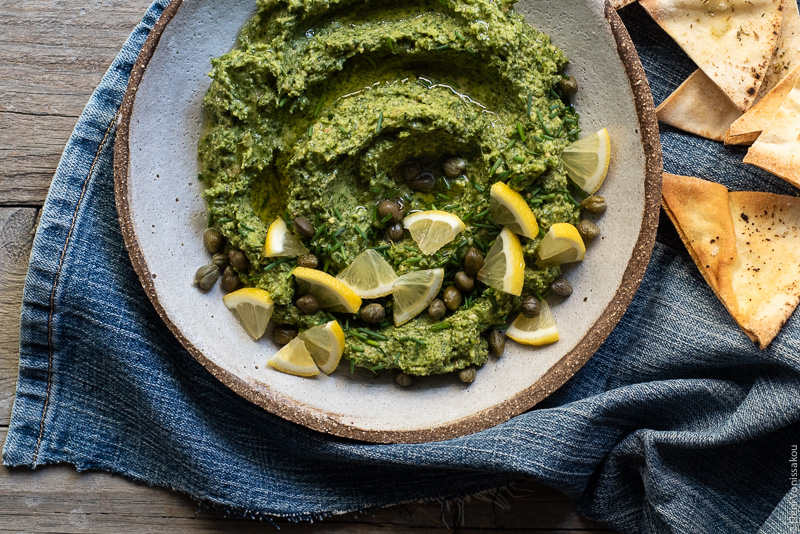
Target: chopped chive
[(440, 327), (374, 66), (569, 120), (576, 131), (480, 225), (461, 36), (549, 196), (530, 102), (453, 262), (541, 234), (404, 338), (344, 132), (544, 126), (282, 101), (519, 159), (535, 201), (446, 183), (353, 366), (376, 368), (443, 196), (548, 137), (414, 260), (496, 166), (571, 199), (386, 219), (356, 348), (310, 131), (520, 132), (373, 334), (390, 43), (410, 249), (372, 343), (319, 233), (383, 247), (471, 51), (362, 337), (339, 232), (337, 247), (505, 174), (510, 144), (361, 233), (326, 265), (482, 214), (554, 94), (418, 341), (380, 123), (554, 106), (479, 187), (442, 47), (468, 216), (271, 265), (224, 220), (338, 215), (319, 106)]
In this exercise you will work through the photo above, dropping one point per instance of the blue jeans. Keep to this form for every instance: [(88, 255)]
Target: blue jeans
[(678, 423)]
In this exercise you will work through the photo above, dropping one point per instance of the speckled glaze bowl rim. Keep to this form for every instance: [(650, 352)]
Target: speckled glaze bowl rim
[(554, 378)]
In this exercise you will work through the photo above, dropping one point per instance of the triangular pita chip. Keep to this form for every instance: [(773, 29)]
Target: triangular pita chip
[(619, 4), (787, 51), (698, 106), (731, 41), (746, 129), (747, 247), (777, 149)]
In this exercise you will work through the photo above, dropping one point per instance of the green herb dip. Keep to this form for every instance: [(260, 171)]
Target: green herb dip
[(319, 103)]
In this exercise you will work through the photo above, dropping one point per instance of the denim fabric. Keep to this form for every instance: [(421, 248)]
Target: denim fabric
[(677, 424)]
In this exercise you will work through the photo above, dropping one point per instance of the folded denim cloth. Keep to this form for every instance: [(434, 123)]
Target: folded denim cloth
[(678, 423)]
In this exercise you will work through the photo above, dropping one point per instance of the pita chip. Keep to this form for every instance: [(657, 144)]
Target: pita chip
[(747, 247), (746, 129), (619, 4), (777, 149), (787, 51), (699, 107), (732, 41)]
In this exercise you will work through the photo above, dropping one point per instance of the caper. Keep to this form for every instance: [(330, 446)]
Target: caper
[(464, 282), (394, 232), (568, 86), (401, 203), (220, 259), (283, 333), (308, 261), (308, 304), (588, 230), (213, 240), (425, 182), (454, 167), (473, 261), (230, 280), (373, 313), (403, 379), (388, 208), (467, 375), (410, 170), (561, 287), (238, 260), (452, 298), (303, 227), (497, 342), (531, 307), (206, 277), (594, 204), (437, 310)]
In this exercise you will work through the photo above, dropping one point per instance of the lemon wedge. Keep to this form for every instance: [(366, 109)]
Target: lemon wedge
[(586, 161), (504, 268), (538, 331), (294, 359), (326, 345), (561, 244), (413, 293), (433, 229), (331, 293), (252, 307), (370, 276), (280, 242), (509, 209)]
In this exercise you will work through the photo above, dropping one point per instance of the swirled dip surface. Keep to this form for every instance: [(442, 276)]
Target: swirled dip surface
[(319, 104)]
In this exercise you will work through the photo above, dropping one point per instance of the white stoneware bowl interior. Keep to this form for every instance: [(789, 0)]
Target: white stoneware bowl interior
[(163, 218)]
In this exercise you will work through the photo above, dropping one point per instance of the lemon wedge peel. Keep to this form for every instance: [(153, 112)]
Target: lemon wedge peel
[(332, 294), (413, 293), (538, 331), (561, 244), (294, 359), (252, 307), (504, 267), (369, 276), (281, 243), (508, 208), (325, 343), (586, 161), (433, 229)]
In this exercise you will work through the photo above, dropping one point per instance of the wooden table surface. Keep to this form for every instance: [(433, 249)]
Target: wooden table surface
[(52, 55)]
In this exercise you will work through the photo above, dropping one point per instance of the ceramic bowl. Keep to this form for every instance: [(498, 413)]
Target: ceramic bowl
[(163, 217)]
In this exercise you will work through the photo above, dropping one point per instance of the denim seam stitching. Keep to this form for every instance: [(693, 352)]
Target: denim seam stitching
[(55, 284)]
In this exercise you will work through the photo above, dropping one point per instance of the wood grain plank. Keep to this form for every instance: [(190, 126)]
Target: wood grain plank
[(58, 498), (17, 227), (53, 54)]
